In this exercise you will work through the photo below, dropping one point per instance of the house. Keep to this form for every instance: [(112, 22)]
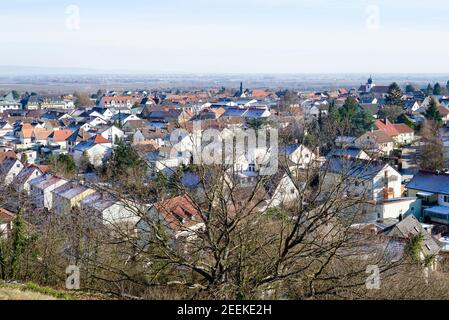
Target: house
[(399, 132), (7, 154), (8, 102), (69, 196), (444, 112), (25, 134), (6, 129), (349, 152), (166, 160), (116, 101), (27, 156), (77, 136), (280, 190), (9, 169), (433, 190), (369, 179), (148, 136), (177, 215), (59, 138), (22, 181), (376, 142), (104, 113), (412, 106), (409, 228), (40, 136), (96, 150), (132, 126), (123, 118), (41, 189), (6, 223), (111, 133), (110, 211), (297, 155)]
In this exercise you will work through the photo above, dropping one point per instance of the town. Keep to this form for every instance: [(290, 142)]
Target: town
[(369, 162)]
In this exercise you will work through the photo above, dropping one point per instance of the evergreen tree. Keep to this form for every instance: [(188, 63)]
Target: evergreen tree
[(437, 89), (429, 90), (410, 88), (394, 97), (18, 243), (432, 112)]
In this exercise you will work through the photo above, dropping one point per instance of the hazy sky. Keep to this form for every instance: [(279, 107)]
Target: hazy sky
[(216, 36)]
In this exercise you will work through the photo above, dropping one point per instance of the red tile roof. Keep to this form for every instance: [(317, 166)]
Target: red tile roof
[(391, 129), (6, 216), (100, 139), (61, 135), (179, 212), (403, 128)]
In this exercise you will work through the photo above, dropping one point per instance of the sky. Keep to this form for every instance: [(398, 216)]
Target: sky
[(228, 36)]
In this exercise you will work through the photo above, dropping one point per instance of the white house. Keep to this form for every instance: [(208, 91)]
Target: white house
[(372, 180), (41, 190), (110, 211), (433, 190), (111, 133), (298, 155), (6, 223), (9, 169), (96, 150), (22, 181)]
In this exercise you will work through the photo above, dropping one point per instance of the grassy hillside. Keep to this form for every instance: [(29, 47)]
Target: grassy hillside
[(31, 291)]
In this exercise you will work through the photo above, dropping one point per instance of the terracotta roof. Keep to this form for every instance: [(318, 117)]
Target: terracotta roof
[(27, 130), (179, 212), (41, 133), (260, 94), (44, 168), (61, 135), (380, 136), (7, 154), (392, 130), (6, 216), (403, 128), (100, 139)]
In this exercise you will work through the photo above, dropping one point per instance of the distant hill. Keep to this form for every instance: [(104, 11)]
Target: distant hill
[(8, 71)]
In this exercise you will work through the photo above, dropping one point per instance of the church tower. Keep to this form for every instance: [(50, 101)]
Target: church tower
[(369, 84)]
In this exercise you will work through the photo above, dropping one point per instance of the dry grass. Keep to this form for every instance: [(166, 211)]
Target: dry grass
[(7, 293)]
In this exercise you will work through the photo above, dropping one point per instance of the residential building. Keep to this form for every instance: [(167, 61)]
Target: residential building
[(41, 190), (69, 196)]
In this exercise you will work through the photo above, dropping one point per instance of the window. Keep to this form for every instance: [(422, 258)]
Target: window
[(446, 199)]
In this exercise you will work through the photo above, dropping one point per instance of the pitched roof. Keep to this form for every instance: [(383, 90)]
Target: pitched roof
[(6, 216), (100, 139), (357, 168), (25, 174), (403, 128), (411, 227), (430, 182), (179, 212), (61, 135), (387, 127), (7, 154), (41, 133)]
